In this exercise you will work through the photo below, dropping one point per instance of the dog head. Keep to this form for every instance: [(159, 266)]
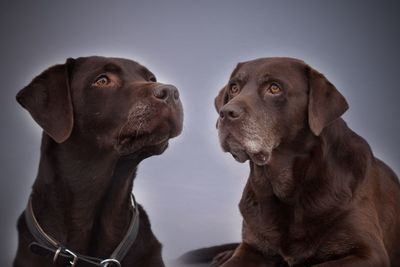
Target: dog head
[(270, 101), (110, 103)]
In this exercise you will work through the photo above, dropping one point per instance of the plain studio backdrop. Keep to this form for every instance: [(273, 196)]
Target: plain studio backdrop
[(192, 190)]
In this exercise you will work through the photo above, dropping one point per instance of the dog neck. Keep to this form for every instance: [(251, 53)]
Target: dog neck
[(307, 164), (81, 196)]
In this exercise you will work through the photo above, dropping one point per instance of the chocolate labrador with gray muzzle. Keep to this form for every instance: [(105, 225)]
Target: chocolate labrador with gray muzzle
[(100, 118), (316, 195)]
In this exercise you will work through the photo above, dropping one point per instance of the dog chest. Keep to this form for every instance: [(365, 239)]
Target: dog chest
[(274, 228)]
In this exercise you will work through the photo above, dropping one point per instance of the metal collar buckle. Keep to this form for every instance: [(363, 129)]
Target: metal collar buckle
[(56, 254), (75, 259), (46, 244), (106, 262), (61, 249)]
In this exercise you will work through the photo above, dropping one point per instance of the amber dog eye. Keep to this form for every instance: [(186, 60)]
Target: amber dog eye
[(102, 80), (274, 89), (234, 89)]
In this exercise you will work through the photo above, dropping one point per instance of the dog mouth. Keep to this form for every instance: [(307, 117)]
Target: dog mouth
[(148, 130), (259, 158), (150, 139), (148, 142), (242, 150)]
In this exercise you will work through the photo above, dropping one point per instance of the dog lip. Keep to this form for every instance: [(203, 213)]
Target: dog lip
[(175, 129), (231, 145), (143, 136), (260, 158), (240, 156), (160, 147), (146, 145), (240, 152)]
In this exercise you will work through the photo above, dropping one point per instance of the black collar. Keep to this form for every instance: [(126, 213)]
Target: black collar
[(48, 247)]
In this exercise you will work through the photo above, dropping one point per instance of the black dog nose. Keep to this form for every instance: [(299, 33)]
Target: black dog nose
[(167, 93), (230, 112)]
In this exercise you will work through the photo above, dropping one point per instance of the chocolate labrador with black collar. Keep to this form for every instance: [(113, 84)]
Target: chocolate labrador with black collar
[(316, 195), (100, 118)]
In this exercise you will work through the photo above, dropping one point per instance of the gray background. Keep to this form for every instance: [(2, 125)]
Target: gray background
[(191, 192)]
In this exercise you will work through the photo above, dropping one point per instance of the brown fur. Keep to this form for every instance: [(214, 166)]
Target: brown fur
[(94, 137), (316, 195)]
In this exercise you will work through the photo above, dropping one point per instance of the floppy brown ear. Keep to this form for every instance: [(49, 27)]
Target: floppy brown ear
[(221, 99), (325, 103), (48, 100)]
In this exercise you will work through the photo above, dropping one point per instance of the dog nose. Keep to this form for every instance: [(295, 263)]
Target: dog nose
[(230, 112), (167, 93)]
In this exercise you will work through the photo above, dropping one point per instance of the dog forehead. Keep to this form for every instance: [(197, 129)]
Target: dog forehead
[(88, 67), (89, 64), (291, 71), (273, 66)]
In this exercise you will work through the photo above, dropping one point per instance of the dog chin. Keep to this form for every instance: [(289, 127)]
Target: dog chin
[(153, 150), (259, 158), (151, 140), (242, 153), (143, 145)]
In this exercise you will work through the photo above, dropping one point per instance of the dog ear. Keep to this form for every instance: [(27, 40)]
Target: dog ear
[(325, 103), (221, 99), (48, 100)]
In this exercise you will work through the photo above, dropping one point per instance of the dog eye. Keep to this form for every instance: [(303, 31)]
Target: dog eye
[(234, 90), (102, 80), (274, 89)]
